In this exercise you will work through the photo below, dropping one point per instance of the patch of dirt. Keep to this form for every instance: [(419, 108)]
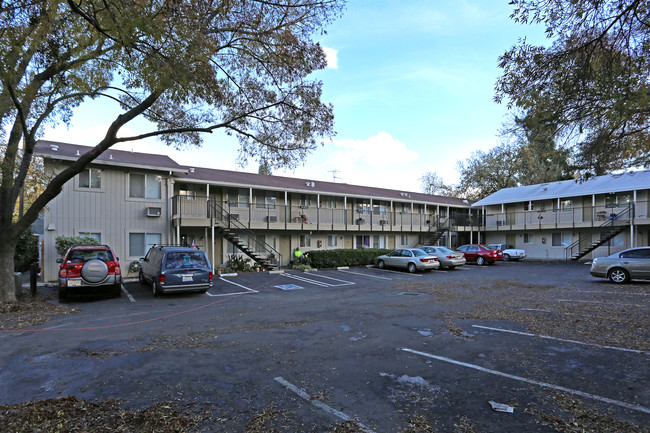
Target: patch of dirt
[(546, 310), (31, 312), (70, 414), (572, 416)]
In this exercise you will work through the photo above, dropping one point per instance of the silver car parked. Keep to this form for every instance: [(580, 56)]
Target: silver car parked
[(411, 259), (623, 266), (447, 258)]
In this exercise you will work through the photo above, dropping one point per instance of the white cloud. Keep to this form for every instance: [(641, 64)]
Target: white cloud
[(332, 57)]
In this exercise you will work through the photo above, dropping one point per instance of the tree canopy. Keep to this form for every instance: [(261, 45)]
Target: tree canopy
[(591, 82), (188, 66)]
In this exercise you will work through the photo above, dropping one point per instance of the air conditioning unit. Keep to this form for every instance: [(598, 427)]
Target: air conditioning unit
[(383, 222), (272, 219), (153, 211)]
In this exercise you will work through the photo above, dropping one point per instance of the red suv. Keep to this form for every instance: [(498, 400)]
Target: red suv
[(480, 254), (89, 267)]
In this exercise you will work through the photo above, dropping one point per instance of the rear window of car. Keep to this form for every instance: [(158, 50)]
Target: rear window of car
[(419, 253), (82, 256), (185, 259), (444, 250)]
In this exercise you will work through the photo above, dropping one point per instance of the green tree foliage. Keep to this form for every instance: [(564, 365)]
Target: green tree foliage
[(26, 251), (591, 82), (188, 66), (487, 172)]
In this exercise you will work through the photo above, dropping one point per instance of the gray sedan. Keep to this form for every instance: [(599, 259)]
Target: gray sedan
[(623, 266), (447, 258), (411, 259)]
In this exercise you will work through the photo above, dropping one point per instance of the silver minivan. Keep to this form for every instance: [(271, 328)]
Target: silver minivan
[(172, 269)]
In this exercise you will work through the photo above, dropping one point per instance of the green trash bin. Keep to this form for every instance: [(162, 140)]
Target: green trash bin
[(18, 283)]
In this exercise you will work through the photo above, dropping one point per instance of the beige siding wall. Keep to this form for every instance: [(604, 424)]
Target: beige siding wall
[(107, 211)]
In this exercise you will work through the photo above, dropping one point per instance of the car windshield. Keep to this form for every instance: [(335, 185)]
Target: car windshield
[(186, 259)]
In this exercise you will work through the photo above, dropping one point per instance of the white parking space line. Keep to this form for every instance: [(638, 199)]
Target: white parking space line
[(320, 283), (127, 293), (533, 382), (319, 404), (365, 275), (248, 290), (613, 293), (601, 302), (509, 331), (396, 272)]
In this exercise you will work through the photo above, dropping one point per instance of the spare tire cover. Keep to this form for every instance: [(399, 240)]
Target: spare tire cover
[(94, 271)]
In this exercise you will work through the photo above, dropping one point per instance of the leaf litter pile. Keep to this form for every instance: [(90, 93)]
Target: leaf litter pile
[(31, 311)]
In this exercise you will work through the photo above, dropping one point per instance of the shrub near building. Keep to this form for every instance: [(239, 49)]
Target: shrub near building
[(336, 258)]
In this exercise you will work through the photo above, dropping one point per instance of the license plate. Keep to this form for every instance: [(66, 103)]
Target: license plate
[(188, 278), (73, 283)]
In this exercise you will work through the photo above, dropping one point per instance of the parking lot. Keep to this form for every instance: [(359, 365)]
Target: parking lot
[(358, 349)]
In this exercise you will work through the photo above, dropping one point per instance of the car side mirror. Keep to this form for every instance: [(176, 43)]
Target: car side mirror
[(142, 259), (59, 260)]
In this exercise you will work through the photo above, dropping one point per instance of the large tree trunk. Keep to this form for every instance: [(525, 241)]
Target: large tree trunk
[(7, 250)]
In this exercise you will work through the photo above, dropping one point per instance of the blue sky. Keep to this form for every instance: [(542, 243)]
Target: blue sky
[(412, 85)]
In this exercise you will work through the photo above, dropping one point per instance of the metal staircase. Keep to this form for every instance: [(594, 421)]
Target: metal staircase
[(243, 238), (435, 233), (583, 246)]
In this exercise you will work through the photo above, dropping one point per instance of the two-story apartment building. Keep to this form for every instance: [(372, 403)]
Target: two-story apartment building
[(133, 200), (573, 219)]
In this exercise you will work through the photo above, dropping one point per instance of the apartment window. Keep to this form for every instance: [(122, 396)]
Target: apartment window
[(562, 239), (305, 241), (529, 238), (272, 241), (332, 240), (305, 200), (329, 202), (139, 243), (186, 191), (145, 186), (265, 200), (379, 209), (96, 236), (379, 241), (90, 178), (404, 240), (616, 241), (566, 205), (529, 206), (363, 207), (611, 200)]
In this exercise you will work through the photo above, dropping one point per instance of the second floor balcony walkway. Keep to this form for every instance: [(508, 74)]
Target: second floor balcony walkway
[(195, 211)]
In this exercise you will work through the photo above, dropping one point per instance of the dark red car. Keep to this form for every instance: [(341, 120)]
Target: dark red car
[(480, 254)]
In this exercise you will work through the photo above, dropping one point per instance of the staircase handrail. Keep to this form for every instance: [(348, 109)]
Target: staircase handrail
[(614, 221), (216, 208)]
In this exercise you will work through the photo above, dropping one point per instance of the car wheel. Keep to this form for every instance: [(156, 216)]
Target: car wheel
[(381, 264), (506, 257), (156, 289), (480, 261), (618, 275), (141, 279), (411, 268)]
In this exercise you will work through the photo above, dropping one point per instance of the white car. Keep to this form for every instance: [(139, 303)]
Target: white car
[(509, 252)]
